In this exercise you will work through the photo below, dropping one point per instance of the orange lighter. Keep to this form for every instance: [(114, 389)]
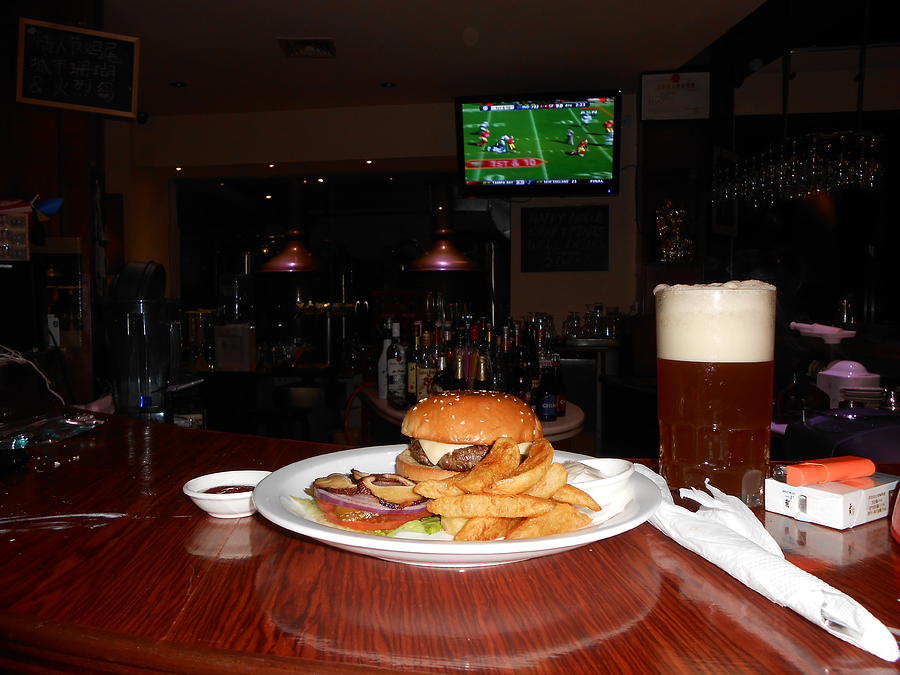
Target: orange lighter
[(823, 470)]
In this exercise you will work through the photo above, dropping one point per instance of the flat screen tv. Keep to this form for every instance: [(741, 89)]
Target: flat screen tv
[(539, 144)]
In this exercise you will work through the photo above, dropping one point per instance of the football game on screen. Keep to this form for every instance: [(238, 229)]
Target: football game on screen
[(539, 141)]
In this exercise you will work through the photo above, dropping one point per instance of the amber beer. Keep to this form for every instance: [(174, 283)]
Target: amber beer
[(715, 352)]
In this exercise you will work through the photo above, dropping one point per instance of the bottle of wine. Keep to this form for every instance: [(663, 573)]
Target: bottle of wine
[(396, 370)]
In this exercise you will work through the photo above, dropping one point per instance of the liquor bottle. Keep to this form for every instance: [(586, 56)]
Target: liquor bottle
[(443, 379), (412, 360), (458, 382), (471, 350), (482, 379), (504, 363), (544, 397), (800, 397), (382, 360), (426, 367), (520, 382), (529, 358), (396, 370), (561, 398), (445, 344)]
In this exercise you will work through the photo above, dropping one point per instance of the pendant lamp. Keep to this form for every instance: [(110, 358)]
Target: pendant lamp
[(443, 256), (293, 257)]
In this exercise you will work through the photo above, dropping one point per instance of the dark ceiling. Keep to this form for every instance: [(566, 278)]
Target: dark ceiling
[(228, 58)]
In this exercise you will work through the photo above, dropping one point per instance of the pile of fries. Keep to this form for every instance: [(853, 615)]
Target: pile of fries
[(505, 496)]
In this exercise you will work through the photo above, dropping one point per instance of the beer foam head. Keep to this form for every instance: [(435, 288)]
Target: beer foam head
[(732, 322)]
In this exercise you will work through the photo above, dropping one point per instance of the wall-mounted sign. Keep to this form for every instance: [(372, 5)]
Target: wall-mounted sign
[(77, 68), (675, 96), (568, 239), (14, 236)]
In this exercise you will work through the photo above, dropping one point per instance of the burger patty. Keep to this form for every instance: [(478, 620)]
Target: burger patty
[(461, 459)]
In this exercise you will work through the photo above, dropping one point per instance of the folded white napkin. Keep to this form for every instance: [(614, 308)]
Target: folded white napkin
[(727, 533)]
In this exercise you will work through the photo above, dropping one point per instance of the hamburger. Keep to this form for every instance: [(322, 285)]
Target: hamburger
[(452, 431)]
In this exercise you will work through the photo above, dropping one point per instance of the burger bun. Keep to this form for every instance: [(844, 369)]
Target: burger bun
[(472, 418), (408, 467)]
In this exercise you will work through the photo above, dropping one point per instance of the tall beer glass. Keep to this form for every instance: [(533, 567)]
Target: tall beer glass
[(715, 354)]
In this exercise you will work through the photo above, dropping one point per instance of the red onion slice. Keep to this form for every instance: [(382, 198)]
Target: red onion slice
[(366, 503)]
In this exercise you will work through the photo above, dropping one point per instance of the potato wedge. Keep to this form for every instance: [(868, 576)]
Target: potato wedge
[(482, 528), (502, 459), (529, 472), (497, 506), (563, 518), (436, 488), (569, 494), (550, 483), (452, 525)]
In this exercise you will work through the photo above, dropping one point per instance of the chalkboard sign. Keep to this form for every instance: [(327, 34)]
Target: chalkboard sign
[(570, 239), (77, 68)]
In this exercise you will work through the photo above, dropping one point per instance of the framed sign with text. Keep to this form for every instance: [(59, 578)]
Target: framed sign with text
[(567, 239), (675, 96), (77, 68)]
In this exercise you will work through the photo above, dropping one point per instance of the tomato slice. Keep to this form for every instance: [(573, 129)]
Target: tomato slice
[(372, 522)]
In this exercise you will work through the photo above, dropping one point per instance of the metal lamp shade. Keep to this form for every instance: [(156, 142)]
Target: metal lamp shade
[(443, 256), (292, 258)]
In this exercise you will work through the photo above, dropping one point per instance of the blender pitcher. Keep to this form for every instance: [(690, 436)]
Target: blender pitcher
[(144, 340)]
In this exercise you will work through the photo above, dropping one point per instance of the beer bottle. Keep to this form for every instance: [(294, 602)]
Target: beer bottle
[(396, 370)]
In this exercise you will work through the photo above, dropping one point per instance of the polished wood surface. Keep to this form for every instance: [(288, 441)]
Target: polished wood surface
[(106, 566)]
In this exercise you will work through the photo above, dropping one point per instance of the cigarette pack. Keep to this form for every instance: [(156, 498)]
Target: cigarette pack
[(839, 504)]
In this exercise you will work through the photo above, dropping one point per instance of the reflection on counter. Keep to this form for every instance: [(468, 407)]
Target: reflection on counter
[(838, 547), (224, 539)]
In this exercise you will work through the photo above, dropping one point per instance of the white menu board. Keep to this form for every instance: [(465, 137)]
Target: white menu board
[(675, 96)]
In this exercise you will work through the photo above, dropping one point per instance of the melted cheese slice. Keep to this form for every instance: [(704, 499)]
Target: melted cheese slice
[(434, 450)]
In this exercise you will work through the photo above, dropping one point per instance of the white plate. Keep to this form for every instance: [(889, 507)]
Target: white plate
[(273, 501)]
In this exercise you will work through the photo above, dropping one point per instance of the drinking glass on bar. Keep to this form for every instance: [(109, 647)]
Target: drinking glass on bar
[(715, 362)]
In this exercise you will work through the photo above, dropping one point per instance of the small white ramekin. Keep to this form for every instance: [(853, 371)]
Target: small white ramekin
[(229, 505)]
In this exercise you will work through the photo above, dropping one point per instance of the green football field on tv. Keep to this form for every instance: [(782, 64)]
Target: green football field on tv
[(519, 142)]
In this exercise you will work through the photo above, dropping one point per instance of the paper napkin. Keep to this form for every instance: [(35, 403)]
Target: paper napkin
[(727, 533)]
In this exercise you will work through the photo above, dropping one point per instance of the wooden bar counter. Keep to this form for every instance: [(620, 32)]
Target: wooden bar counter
[(105, 566)]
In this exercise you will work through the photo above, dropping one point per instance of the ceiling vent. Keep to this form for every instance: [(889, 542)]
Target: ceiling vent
[(308, 48)]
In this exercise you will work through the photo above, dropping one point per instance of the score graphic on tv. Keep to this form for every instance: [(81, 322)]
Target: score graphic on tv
[(534, 144)]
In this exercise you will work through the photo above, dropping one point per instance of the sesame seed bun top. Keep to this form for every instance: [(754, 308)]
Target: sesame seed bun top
[(472, 417)]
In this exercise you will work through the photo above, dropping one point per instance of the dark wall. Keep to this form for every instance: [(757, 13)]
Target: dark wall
[(364, 231), (52, 152)]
